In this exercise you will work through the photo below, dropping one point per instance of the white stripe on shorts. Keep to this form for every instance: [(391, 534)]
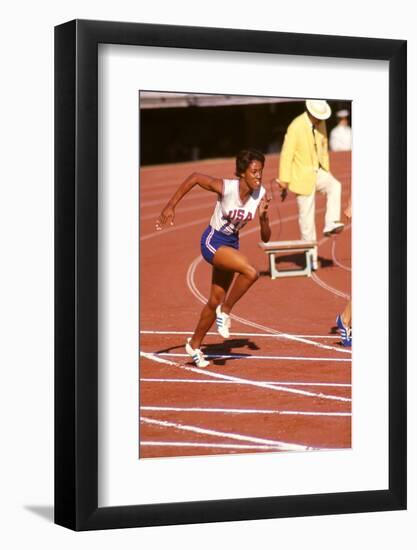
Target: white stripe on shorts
[(209, 236)]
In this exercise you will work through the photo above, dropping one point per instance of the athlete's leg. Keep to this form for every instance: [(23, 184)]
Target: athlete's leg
[(307, 221), (332, 188), (347, 314), (220, 283), (344, 324), (230, 259)]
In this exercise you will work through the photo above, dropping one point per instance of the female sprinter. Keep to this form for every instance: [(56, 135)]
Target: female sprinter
[(237, 202)]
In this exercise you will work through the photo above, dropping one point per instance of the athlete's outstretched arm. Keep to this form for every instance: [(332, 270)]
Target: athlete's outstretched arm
[(209, 183), (263, 218)]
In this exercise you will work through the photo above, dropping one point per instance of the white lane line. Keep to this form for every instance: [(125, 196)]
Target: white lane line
[(314, 277), (152, 195), (320, 282), (179, 211), (154, 187), (193, 288), (149, 201), (248, 231), (197, 195), (242, 411), (204, 445), (258, 334), (168, 230), (329, 288), (200, 221), (195, 429), (205, 220), (187, 167), (154, 357), (244, 381), (192, 381), (262, 357), (336, 261)]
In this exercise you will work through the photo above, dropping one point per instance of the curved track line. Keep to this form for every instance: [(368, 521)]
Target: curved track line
[(168, 230), (320, 282), (336, 261), (192, 286), (314, 276), (329, 288)]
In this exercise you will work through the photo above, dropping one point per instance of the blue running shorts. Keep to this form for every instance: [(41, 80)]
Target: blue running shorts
[(211, 240)]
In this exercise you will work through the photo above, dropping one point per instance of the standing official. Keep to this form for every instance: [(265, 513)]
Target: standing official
[(304, 169), (341, 135)]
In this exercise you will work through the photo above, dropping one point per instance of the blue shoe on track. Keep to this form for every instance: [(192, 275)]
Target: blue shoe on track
[(345, 332)]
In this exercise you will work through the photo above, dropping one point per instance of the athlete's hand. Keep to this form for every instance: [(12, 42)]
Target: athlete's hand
[(166, 217), (263, 207), (283, 188)]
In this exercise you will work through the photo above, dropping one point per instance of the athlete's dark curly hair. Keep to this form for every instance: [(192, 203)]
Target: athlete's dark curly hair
[(245, 157)]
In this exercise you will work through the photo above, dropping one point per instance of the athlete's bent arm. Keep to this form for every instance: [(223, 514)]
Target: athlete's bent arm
[(264, 220), (209, 183)]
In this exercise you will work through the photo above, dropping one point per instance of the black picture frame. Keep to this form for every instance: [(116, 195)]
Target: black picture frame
[(76, 273)]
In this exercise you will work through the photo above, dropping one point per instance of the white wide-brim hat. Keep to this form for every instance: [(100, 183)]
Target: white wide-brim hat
[(319, 108)]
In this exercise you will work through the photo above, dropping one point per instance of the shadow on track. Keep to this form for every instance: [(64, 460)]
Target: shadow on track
[(227, 347)]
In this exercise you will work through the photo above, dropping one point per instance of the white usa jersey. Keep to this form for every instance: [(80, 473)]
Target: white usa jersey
[(230, 214)]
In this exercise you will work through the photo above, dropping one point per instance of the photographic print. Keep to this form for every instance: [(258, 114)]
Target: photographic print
[(245, 274), (203, 253)]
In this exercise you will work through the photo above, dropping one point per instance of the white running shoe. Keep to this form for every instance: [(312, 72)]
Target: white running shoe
[(223, 322), (196, 355)]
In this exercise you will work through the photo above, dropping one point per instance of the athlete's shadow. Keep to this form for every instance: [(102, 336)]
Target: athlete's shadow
[(222, 348), (335, 331), (325, 262), (229, 347)]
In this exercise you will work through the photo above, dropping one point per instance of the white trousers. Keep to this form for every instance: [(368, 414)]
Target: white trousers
[(326, 183)]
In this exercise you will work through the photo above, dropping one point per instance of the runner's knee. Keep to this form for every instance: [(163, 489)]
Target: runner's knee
[(251, 273), (215, 299)]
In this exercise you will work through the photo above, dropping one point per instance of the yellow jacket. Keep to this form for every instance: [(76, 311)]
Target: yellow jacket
[(300, 157)]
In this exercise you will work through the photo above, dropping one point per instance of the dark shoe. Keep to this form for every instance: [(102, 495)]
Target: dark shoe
[(333, 229)]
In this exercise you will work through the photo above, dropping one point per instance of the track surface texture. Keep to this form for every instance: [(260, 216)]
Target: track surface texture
[(282, 382)]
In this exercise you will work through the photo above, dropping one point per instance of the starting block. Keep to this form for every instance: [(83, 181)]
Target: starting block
[(274, 248)]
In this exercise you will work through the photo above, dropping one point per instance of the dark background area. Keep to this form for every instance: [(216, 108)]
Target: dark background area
[(181, 134)]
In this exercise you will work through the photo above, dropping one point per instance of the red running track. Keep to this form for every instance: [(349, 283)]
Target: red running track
[(282, 381)]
